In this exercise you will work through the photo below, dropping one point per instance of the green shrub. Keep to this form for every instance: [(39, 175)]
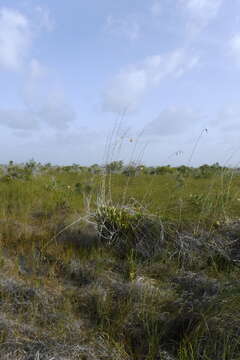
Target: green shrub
[(126, 229)]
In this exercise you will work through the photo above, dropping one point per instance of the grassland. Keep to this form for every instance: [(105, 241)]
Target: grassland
[(125, 264)]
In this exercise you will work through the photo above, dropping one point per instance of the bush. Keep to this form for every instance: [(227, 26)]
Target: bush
[(126, 229)]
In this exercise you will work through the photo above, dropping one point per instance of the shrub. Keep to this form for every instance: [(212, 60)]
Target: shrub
[(126, 229)]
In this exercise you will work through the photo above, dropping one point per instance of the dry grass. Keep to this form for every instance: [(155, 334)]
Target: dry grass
[(154, 282)]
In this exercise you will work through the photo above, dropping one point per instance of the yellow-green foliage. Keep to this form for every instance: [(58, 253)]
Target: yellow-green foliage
[(119, 219), (118, 226)]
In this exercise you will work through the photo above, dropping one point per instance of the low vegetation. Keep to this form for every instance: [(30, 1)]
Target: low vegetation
[(119, 262)]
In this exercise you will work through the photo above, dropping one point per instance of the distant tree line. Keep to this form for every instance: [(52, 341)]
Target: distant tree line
[(32, 168)]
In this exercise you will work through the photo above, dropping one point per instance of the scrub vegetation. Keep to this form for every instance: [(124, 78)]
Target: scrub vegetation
[(122, 262)]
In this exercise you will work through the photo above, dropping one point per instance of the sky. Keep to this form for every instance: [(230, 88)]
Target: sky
[(156, 82)]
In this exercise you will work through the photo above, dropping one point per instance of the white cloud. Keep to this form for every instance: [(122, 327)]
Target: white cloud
[(127, 27), (36, 69), (235, 47), (17, 32), (48, 146), (128, 88), (126, 91), (228, 119), (200, 12), (56, 113), (35, 88), (44, 103), (18, 119), (156, 8), (172, 121), (15, 39), (45, 19)]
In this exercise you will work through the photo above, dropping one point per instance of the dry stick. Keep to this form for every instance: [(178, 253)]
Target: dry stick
[(232, 173), (109, 158), (135, 145), (224, 172), (140, 157), (196, 144), (112, 148), (190, 159), (230, 182), (124, 136), (105, 160), (150, 187), (141, 154), (175, 153), (132, 161), (131, 156), (103, 181), (82, 218), (204, 205)]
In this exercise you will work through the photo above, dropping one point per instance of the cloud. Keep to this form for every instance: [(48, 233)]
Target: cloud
[(128, 88), (228, 119), (127, 27), (45, 19), (172, 121), (17, 32), (35, 88), (235, 47), (36, 69), (125, 91), (48, 146), (200, 12), (56, 113), (156, 8), (15, 39), (44, 103), (18, 119)]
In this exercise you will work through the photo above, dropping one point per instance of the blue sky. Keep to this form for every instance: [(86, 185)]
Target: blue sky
[(164, 69)]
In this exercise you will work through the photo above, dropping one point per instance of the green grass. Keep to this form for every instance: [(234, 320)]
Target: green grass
[(146, 267)]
